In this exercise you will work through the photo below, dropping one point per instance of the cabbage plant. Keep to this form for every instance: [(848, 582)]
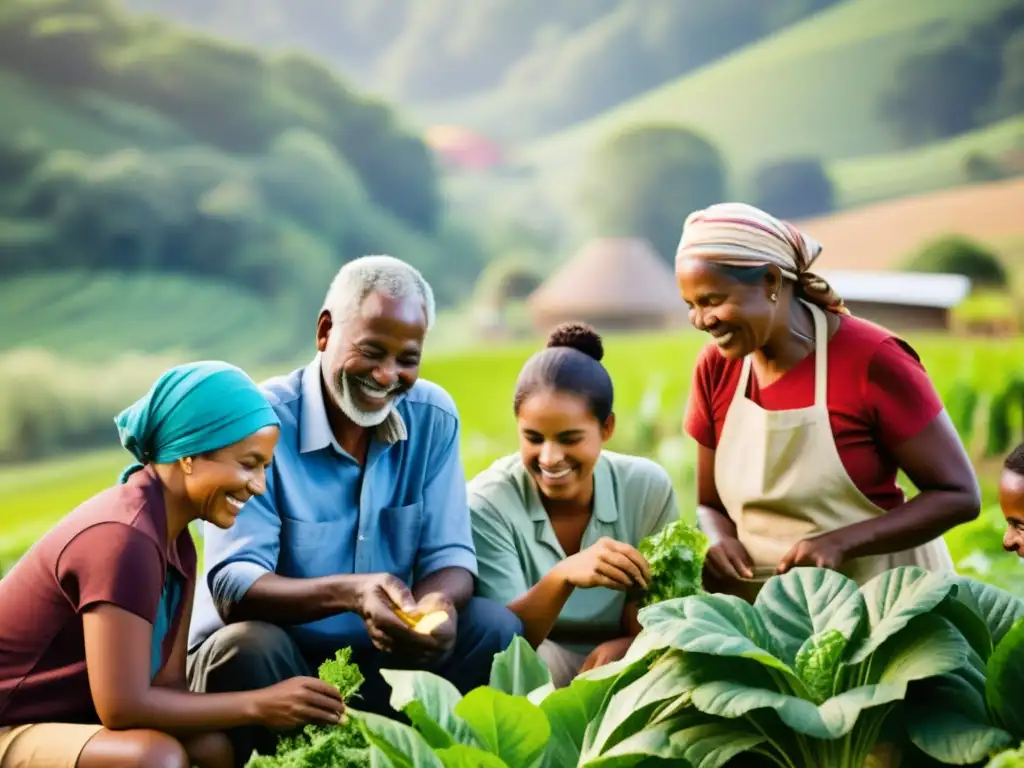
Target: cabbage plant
[(817, 672), (962, 717)]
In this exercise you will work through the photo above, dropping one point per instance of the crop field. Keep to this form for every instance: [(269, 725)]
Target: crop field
[(652, 377), (93, 316)]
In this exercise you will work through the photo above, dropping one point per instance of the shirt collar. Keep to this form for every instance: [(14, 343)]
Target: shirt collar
[(605, 508), (315, 431)]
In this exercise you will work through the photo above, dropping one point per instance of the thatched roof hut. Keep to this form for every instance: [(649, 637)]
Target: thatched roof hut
[(615, 284)]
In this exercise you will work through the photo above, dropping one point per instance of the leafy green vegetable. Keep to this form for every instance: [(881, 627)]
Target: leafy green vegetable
[(816, 665), (817, 672), (323, 746), (1011, 758), (676, 557), (968, 714), (342, 673)]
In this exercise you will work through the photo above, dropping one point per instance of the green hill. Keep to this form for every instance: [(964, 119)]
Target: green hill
[(863, 180), (90, 316), (87, 122), (812, 89)]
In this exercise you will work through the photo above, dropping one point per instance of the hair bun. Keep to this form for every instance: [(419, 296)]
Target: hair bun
[(578, 336)]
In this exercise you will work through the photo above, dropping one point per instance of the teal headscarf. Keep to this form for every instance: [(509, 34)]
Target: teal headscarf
[(191, 409)]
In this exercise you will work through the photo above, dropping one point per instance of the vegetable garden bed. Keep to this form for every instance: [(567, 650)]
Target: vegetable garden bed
[(912, 669)]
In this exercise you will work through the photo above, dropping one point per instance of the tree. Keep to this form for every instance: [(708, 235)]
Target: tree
[(645, 181), (794, 188), (1009, 96), (962, 256), (942, 92)]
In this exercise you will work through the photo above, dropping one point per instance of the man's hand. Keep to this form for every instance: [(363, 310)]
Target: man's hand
[(607, 652), (443, 633), (380, 597)]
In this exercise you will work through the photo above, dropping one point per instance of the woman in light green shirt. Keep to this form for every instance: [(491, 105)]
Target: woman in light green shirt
[(556, 525)]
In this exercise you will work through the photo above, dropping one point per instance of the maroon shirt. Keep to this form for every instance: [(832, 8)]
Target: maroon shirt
[(111, 549), (879, 396)]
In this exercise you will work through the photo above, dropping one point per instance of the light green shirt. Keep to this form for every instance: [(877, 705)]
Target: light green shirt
[(516, 544)]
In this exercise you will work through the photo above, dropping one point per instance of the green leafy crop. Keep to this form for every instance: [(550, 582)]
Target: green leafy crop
[(676, 557), (324, 746)]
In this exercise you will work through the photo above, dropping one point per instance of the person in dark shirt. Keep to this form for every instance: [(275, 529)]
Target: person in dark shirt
[(96, 615)]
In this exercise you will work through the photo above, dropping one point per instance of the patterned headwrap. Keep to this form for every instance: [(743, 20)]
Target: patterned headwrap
[(740, 235)]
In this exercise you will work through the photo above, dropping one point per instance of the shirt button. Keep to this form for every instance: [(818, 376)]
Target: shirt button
[(362, 538)]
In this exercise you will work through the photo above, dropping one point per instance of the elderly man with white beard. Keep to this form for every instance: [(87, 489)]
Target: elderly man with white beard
[(364, 515)]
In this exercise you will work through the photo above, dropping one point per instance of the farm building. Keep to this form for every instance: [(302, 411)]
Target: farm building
[(615, 284), (901, 301)]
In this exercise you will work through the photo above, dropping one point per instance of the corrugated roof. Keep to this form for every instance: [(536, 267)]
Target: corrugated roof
[(611, 275), (913, 289)]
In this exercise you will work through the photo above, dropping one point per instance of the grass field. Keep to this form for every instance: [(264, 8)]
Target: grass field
[(92, 316), (812, 89), (652, 376)]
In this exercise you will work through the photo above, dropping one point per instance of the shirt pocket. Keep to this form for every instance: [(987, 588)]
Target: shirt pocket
[(312, 549), (398, 540)]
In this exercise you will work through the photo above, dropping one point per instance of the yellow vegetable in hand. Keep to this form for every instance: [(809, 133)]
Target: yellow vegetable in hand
[(425, 623)]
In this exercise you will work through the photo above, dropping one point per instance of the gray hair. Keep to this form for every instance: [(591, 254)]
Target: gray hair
[(381, 274)]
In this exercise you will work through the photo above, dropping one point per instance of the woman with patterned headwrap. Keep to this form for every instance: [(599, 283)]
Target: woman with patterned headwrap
[(95, 616), (804, 416)]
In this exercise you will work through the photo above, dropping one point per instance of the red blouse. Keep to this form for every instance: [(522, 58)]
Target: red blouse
[(879, 396)]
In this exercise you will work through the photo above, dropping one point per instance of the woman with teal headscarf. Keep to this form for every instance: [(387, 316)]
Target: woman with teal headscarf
[(95, 616)]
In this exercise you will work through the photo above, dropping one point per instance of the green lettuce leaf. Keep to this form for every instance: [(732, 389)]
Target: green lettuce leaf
[(676, 557)]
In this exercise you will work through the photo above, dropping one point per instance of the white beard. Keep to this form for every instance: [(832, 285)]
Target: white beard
[(343, 397)]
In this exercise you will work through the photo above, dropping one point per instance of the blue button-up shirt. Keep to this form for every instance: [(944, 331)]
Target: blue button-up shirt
[(404, 512)]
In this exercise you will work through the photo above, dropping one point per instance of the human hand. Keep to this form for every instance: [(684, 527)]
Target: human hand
[(390, 613), (435, 616), (606, 563), (819, 552), (297, 701), (607, 652), (728, 559)]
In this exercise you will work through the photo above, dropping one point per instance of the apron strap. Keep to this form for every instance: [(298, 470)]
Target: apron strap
[(820, 360), (741, 385), (820, 355)]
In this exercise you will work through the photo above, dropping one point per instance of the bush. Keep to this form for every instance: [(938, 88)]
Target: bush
[(962, 256), (49, 405), (643, 181)]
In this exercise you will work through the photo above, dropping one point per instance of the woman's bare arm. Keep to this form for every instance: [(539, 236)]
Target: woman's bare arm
[(538, 608), (937, 464), (117, 654), (711, 514)]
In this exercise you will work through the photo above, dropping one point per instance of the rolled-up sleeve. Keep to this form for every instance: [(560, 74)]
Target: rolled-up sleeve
[(446, 540), (249, 549), (502, 577)]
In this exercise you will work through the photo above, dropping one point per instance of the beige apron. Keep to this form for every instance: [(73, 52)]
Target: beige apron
[(781, 480)]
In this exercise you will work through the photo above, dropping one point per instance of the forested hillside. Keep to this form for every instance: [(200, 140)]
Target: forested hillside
[(131, 145), (548, 63)]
